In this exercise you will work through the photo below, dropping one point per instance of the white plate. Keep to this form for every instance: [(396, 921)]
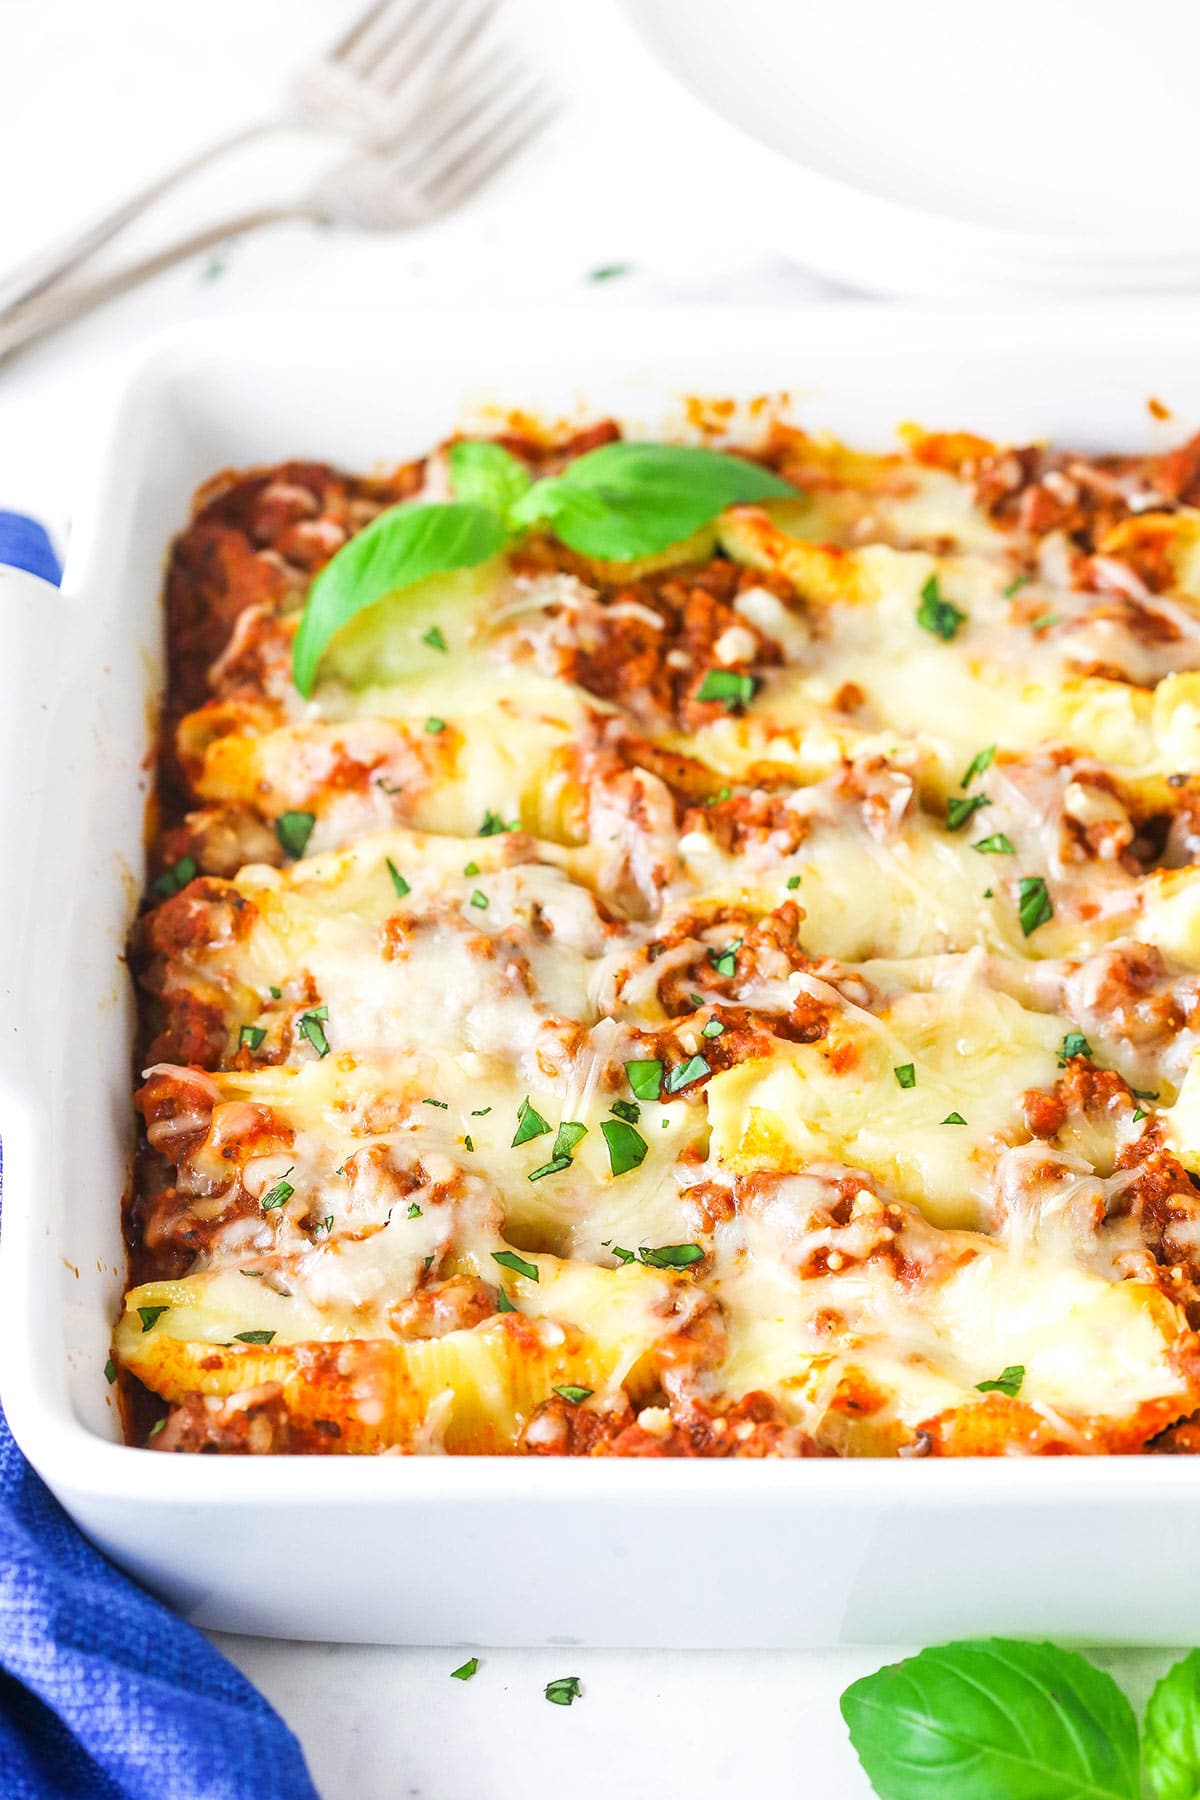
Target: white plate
[(504, 1550), (937, 145)]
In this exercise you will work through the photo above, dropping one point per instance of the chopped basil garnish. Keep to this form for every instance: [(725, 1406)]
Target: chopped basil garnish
[(398, 882), (279, 1195), (435, 639), (293, 829), (996, 845), (979, 763), (176, 877), (684, 1073), (570, 1133), (493, 825), (508, 1259), (793, 882), (1145, 1093), (954, 1118), (327, 1224), (433, 726), (110, 1371), (627, 1109), (442, 1105), (465, 1670), (725, 684), (960, 808), (479, 899), (254, 1337), (626, 1145), (725, 961), (312, 1028), (275, 993), (503, 1303), (150, 1315), (158, 1425), (250, 1037), (712, 1029), (645, 1078), (468, 1143), (671, 1256), (414, 1211), (622, 1256), (1044, 621), (1138, 1115), (564, 1690), (940, 616), (471, 868), (1009, 1382), (1074, 1044), (480, 1112), (576, 1395), (906, 1075), (1035, 905), (555, 1166), (1016, 584), (530, 1123)]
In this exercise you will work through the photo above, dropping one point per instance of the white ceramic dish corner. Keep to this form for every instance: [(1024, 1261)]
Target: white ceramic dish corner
[(488, 1551)]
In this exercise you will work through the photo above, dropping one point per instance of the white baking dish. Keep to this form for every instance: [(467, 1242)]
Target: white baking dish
[(489, 1551)]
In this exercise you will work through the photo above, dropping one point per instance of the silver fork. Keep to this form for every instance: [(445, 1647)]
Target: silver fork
[(460, 137), (366, 87)]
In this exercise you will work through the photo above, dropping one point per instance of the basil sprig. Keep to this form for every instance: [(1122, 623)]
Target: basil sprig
[(618, 502), (1001, 1720)]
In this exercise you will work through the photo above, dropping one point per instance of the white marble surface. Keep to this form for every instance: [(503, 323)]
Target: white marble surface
[(94, 98)]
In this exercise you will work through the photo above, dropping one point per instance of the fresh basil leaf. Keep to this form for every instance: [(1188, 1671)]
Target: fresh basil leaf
[(398, 882), (530, 1123), (465, 1670), (906, 1075), (626, 1145), (503, 1303), (954, 1118), (1074, 1044), (293, 829), (996, 845), (564, 1690), (576, 1395), (279, 1195), (555, 1166), (939, 616), (402, 546), (150, 1315), (978, 765), (959, 808), (254, 1337), (1007, 1382), (110, 1371), (508, 1259), (645, 1077), (629, 1110), (994, 1720), (486, 474), (1035, 906), (626, 500), (671, 1256), (570, 1133), (310, 1026), (1171, 1732), (684, 1073), (250, 1037)]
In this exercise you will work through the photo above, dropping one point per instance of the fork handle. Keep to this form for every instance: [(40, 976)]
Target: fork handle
[(37, 318), (46, 267)]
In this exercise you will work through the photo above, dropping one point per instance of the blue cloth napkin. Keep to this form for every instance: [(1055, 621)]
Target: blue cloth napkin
[(104, 1694)]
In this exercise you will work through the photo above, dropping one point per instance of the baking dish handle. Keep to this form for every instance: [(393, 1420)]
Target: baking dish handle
[(34, 661)]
